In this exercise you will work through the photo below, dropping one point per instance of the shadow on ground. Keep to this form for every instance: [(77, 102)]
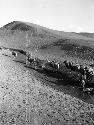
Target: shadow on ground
[(54, 81)]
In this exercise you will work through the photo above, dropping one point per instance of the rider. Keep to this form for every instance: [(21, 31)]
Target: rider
[(83, 81), (89, 73), (66, 63), (29, 59), (74, 67), (14, 54), (70, 65), (57, 65), (77, 67), (36, 63), (82, 69)]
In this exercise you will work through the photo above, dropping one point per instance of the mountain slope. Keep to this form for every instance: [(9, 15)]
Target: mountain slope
[(29, 37), (19, 35), (89, 35)]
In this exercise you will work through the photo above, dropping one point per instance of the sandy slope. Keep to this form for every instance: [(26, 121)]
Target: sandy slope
[(24, 100)]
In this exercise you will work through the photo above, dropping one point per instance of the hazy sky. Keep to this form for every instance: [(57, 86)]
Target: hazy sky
[(66, 15)]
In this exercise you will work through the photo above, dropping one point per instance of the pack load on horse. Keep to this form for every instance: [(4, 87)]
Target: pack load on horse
[(51, 65), (14, 54), (37, 63), (34, 62), (29, 60)]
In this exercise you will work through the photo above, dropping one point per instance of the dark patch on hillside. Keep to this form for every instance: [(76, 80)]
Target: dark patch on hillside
[(72, 49), (21, 27), (91, 35)]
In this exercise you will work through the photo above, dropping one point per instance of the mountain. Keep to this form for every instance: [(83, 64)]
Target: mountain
[(18, 34), (48, 43), (89, 35)]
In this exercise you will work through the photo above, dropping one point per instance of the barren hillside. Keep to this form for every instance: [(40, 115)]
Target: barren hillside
[(31, 37)]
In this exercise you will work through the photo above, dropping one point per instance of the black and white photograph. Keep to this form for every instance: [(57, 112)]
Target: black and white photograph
[(46, 62)]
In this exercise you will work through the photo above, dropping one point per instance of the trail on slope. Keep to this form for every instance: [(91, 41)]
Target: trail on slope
[(25, 99)]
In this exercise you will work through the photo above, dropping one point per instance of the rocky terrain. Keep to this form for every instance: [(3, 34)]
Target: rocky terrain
[(27, 99)]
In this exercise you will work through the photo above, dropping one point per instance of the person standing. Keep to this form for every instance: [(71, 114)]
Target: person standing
[(83, 82)]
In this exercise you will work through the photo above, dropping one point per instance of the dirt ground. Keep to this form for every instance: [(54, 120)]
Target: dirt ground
[(31, 98)]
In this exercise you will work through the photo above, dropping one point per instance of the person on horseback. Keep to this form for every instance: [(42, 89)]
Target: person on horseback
[(70, 65), (29, 60), (74, 67), (66, 63), (57, 65), (91, 71), (36, 62)]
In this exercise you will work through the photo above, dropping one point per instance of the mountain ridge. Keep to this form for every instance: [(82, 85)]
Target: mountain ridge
[(28, 26), (29, 37)]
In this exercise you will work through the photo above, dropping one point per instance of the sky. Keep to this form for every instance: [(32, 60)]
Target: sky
[(62, 15)]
